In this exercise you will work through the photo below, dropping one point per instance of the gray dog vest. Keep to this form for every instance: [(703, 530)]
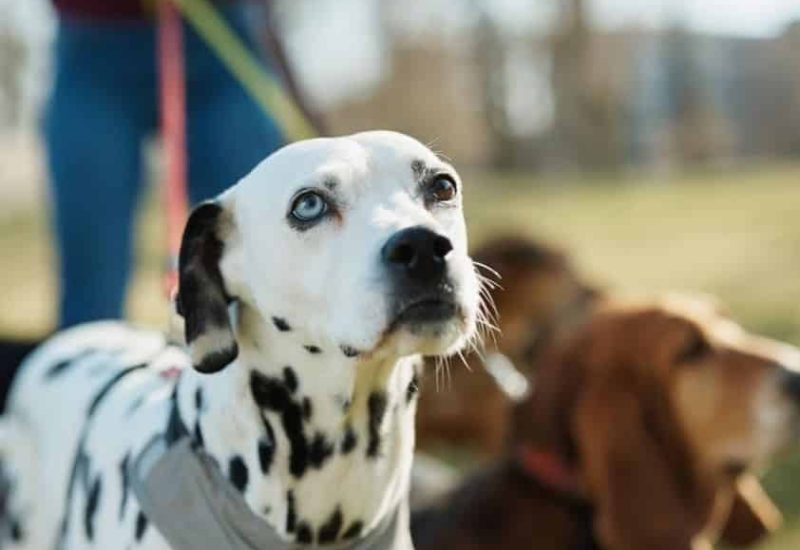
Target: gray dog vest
[(183, 493)]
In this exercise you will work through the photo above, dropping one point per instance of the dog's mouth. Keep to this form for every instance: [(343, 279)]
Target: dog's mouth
[(427, 310), (734, 468), (425, 307), (427, 321)]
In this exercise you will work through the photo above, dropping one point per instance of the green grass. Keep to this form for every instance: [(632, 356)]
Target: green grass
[(734, 234)]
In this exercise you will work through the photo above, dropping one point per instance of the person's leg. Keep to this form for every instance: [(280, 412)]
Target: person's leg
[(228, 133), (93, 132)]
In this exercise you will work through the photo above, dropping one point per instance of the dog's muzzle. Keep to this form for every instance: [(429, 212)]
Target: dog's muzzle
[(416, 259)]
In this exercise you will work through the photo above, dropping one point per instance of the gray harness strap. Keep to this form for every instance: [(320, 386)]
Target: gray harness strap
[(183, 493)]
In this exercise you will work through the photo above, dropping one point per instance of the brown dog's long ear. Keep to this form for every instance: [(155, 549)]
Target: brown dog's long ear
[(637, 470), (752, 515), (202, 298)]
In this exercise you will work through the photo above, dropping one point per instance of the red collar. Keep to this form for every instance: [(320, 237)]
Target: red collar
[(549, 469)]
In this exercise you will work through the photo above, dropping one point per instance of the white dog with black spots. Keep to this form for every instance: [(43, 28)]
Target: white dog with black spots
[(309, 290)]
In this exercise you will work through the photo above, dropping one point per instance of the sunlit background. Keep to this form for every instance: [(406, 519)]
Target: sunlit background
[(658, 142)]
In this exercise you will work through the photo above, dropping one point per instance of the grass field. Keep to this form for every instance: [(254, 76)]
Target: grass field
[(735, 234)]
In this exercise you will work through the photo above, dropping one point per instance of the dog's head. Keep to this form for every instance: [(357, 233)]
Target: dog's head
[(539, 296), (359, 242), (666, 408)]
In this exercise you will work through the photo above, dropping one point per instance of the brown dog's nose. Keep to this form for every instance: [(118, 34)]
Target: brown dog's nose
[(790, 384)]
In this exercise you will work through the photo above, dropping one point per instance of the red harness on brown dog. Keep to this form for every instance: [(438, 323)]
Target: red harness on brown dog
[(550, 470)]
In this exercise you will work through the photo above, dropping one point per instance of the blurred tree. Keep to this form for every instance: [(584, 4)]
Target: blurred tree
[(429, 89), (513, 71), (789, 46), (12, 62), (491, 69), (587, 120), (531, 84), (698, 132)]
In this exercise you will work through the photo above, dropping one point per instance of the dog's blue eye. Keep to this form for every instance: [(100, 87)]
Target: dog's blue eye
[(309, 206)]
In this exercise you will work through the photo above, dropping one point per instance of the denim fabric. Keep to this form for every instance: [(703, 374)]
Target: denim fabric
[(103, 105)]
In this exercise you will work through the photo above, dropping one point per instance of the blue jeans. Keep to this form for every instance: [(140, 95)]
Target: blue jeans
[(103, 105)]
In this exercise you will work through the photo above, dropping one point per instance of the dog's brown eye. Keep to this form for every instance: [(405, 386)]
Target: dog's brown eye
[(443, 189), (696, 349)]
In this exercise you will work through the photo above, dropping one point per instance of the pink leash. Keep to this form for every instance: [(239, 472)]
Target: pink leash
[(172, 92)]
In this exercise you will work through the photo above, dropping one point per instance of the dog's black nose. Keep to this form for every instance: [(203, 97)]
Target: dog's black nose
[(790, 384), (418, 253)]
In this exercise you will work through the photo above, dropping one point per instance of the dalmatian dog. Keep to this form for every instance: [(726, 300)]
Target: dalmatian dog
[(309, 291)]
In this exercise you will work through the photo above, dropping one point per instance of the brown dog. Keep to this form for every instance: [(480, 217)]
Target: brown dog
[(539, 295), (640, 434)]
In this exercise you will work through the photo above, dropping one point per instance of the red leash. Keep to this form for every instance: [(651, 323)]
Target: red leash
[(550, 470), (172, 92)]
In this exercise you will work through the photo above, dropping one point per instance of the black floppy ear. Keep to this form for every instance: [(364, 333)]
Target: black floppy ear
[(202, 298)]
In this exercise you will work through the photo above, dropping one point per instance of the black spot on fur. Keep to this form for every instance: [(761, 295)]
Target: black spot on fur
[(62, 366), (291, 513), (349, 440), (92, 499), (329, 531), (135, 404), (313, 349), (16, 532), (198, 399), (376, 408), (308, 408), (79, 472), (321, 449), (238, 474), (269, 393), (266, 453), (349, 351), (108, 386), (413, 388), (59, 367), (272, 394), (418, 169), (281, 324), (141, 526), (304, 534), (290, 379), (175, 428), (124, 476), (5, 494), (354, 530), (266, 446), (197, 435)]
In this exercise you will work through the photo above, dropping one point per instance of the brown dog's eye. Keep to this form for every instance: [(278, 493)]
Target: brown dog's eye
[(696, 349), (443, 189)]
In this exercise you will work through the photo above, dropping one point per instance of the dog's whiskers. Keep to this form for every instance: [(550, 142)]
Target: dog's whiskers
[(464, 359), (486, 318), (489, 269), (436, 369)]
